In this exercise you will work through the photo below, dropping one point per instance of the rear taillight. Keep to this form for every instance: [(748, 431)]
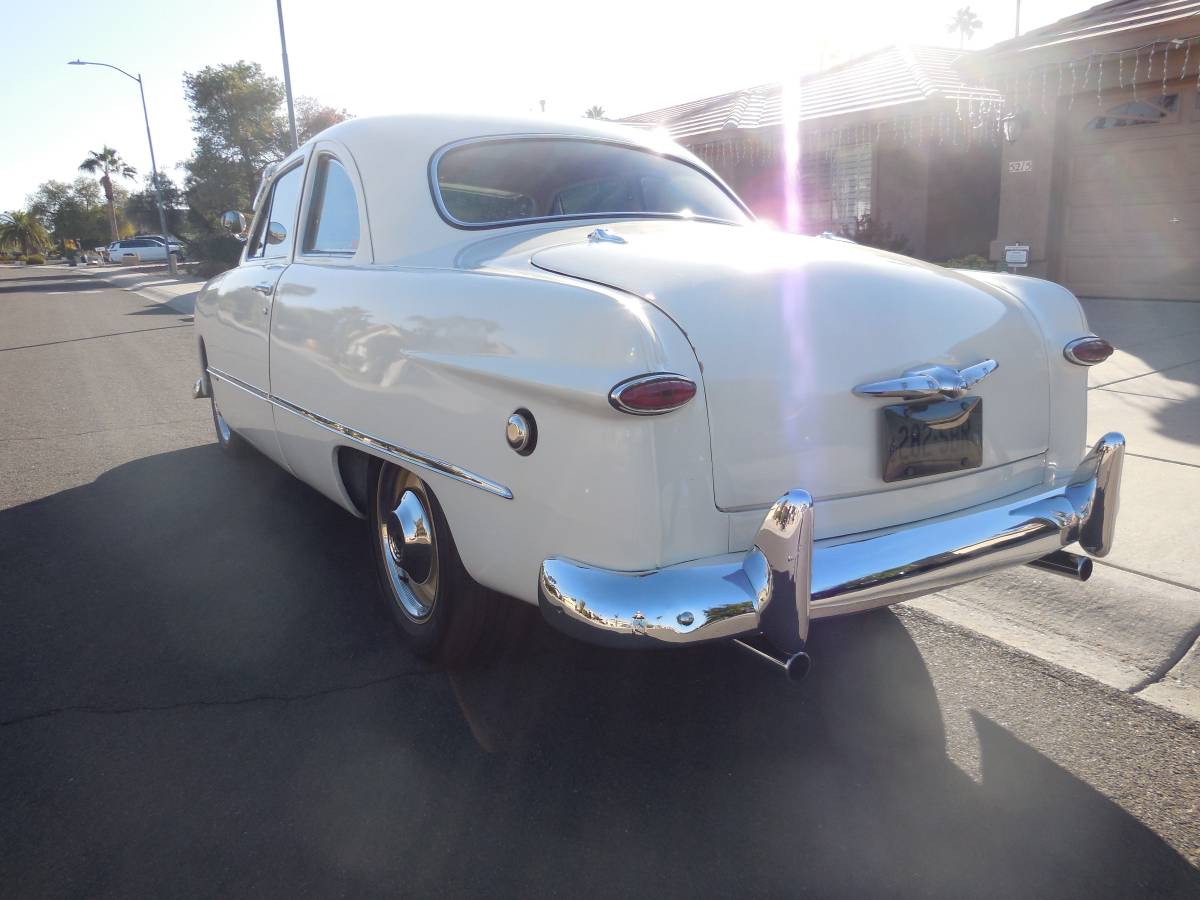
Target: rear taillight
[(652, 395), (1088, 351)]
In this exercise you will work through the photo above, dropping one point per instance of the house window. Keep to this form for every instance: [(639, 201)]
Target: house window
[(1150, 111), (835, 188), (850, 177)]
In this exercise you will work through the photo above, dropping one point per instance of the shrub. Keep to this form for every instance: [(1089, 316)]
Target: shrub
[(872, 233), (970, 261), (215, 253), (18, 257), (35, 259)]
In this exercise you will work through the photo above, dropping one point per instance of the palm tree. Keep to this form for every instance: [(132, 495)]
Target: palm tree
[(108, 162), (966, 23), (594, 112), (22, 230)]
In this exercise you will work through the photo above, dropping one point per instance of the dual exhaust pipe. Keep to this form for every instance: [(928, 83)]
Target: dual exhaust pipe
[(796, 666)]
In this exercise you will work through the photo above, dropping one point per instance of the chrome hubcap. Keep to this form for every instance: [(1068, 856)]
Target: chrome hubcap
[(409, 544)]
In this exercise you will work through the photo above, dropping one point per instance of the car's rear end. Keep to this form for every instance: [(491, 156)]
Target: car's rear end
[(905, 426)]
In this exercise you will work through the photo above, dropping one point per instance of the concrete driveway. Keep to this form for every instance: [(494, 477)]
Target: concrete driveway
[(1136, 624)]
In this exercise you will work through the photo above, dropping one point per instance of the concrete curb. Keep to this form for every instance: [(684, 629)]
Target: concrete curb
[(177, 293), (1128, 631)]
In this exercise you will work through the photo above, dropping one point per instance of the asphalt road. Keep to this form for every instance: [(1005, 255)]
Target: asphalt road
[(201, 695)]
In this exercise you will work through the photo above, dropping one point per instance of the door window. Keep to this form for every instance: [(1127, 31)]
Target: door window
[(333, 214), (274, 237)]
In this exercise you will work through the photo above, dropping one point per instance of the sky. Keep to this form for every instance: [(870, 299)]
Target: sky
[(373, 58)]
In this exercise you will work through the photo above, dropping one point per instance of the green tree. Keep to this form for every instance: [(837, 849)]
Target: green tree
[(75, 211), (594, 112), (108, 163), (312, 118), (966, 23), (237, 122), (21, 230), (142, 206)]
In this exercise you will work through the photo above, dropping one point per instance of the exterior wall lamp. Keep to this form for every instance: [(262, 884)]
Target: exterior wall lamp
[(1012, 125)]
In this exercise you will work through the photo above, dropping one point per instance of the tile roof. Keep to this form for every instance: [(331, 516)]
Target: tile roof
[(892, 76), (1113, 17)]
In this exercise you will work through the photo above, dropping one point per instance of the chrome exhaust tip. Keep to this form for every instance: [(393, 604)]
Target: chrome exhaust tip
[(1070, 565), (795, 666)]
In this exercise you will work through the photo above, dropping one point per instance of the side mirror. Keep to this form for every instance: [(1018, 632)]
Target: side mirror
[(235, 223), (276, 233)]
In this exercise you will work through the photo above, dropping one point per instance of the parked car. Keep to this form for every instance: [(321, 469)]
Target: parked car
[(142, 250), (560, 362)]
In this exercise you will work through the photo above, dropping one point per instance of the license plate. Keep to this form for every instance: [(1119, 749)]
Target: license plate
[(932, 438)]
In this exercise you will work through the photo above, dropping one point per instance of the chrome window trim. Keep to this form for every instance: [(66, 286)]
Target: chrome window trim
[(392, 451), (310, 190), (436, 192)]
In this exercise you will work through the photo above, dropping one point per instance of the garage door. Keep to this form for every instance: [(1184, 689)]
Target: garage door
[(1131, 226)]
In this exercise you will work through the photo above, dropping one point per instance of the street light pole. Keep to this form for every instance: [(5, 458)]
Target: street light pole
[(287, 77), (162, 214)]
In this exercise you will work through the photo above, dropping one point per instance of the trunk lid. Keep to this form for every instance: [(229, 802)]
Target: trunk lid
[(786, 326)]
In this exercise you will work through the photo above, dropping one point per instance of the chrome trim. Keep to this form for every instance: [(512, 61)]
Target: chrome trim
[(439, 204), (518, 431), (201, 390), (614, 396), (930, 382), (603, 235), (759, 592), (1069, 350), (399, 454)]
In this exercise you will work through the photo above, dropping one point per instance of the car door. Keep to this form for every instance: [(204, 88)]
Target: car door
[(237, 349), (314, 306)]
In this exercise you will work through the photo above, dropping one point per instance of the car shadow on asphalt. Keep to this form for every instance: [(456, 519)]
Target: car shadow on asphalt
[(202, 693)]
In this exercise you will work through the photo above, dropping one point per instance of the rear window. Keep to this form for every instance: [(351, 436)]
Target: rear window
[(527, 179)]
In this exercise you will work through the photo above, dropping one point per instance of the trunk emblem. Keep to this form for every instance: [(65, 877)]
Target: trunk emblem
[(930, 382), (604, 236)]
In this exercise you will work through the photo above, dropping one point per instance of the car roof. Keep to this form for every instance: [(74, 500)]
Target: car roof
[(393, 153)]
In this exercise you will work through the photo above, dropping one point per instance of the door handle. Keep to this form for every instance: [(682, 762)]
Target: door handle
[(265, 288)]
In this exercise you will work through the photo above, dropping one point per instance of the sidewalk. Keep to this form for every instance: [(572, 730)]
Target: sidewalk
[(151, 282), (1136, 624)]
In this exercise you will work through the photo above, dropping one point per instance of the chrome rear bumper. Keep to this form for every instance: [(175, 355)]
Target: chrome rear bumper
[(786, 579)]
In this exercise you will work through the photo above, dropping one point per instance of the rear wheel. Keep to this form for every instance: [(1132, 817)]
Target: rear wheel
[(445, 615)]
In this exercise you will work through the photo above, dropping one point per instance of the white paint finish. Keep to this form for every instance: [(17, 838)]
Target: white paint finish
[(785, 327), (867, 512), (436, 360), (435, 353), (1059, 320)]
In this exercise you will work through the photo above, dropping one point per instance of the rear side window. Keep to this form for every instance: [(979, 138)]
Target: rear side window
[(333, 214), (279, 218)]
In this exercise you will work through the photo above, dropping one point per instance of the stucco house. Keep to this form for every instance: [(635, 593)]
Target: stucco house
[(899, 134)]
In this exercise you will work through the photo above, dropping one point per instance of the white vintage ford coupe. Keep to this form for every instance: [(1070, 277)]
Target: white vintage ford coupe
[(560, 362)]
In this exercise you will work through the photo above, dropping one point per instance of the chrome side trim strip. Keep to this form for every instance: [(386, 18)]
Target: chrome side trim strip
[(239, 384), (402, 455)]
